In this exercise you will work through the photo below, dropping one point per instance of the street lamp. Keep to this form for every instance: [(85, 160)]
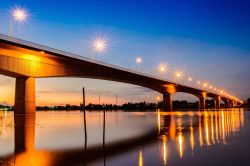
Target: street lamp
[(19, 15), (98, 45), (178, 75), (158, 98), (162, 68), (205, 84), (138, 60)]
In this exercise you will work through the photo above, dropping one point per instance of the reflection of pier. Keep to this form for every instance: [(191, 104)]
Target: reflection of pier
[(26, 154), (188, 131)]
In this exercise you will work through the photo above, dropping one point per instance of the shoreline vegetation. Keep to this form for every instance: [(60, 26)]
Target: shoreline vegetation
[(141, 106)]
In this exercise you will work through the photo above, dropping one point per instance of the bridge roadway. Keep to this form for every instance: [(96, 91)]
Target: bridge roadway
[(27, 61)]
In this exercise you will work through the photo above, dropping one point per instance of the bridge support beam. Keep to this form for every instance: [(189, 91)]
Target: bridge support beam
[(167, 102), (232, 103), (25, 100), (202, 102), (217, 102), (226, 103)]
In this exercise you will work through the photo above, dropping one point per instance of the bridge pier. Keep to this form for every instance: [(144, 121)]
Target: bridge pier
[(232, 104), (217, 102), (25, 100), (167, 102), (226, 103), (202, 102)]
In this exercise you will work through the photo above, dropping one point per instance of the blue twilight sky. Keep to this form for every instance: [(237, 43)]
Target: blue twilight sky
[(205, 39)]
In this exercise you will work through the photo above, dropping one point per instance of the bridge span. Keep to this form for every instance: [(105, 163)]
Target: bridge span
[(27, 61)]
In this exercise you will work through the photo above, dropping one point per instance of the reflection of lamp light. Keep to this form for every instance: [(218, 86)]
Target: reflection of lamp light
[(180, 142), (140, 162), (192, 137)]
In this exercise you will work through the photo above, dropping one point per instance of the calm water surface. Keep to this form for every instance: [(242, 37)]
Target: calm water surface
[(126, 138)]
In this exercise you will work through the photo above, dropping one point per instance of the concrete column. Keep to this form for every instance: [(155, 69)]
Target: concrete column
[(232, 104), (226, 103), (25, 99), (214, 103), (202, 102), (167, 102), (217, 103)]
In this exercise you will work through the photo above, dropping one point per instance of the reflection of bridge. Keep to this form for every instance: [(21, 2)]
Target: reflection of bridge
[(26, 61), (25, 152), (197, 129)]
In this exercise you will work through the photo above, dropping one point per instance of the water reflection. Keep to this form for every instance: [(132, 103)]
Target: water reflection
[(140, 162), (214, 127), (178, 134)]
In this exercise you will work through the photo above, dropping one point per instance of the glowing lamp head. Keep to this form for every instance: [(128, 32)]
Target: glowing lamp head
[(99, 45), (205, 84), (19, 14), (158, 98), (190, 79), (138, 60), (198, 82), (162, 68), (178, 74)]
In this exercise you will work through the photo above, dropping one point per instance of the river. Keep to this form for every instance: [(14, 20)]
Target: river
[(120, 138)]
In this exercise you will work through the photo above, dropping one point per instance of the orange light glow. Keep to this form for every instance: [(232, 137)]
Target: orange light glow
[(180, 143), (140, 162), (178, 74), (162, 68)]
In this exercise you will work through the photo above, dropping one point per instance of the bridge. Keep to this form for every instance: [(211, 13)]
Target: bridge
[(27, 61)]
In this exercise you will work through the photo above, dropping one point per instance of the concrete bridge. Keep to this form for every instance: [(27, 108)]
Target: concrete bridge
[(27, 61)]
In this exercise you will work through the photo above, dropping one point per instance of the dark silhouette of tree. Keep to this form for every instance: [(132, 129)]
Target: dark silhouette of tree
[(248, 100)]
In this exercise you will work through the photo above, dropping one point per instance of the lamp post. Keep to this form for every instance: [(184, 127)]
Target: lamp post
[(19, 15), (162, 68), (98, 45), (178, 75), (138, 61)]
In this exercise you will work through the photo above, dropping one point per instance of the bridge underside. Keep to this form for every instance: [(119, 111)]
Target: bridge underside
[(25, 63)]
